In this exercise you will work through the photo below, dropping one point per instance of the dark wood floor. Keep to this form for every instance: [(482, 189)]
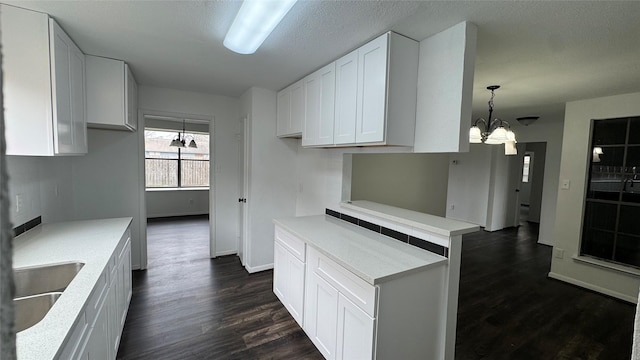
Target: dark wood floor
[(187, 306)]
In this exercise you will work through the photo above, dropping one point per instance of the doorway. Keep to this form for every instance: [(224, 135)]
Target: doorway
[(526, 180), (176, 177)]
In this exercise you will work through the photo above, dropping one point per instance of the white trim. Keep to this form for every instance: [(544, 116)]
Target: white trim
[(177, 189), (255, 269), (225, 253), (605, 264), (631, 299)]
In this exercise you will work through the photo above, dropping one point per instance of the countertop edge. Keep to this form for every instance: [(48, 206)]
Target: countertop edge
[(461, 226)]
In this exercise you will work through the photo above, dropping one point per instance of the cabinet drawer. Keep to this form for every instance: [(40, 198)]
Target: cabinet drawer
[(291, 243), (347, 283)]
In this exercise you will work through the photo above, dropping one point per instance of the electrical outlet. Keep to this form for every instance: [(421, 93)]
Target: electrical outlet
[(558, 253), (19, 204), (451, 207)]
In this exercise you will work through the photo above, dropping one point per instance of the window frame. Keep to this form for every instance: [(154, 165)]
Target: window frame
[(179, 161)]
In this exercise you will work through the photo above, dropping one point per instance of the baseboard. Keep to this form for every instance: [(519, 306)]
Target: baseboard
[(176, 215), (595, 288), (545, 243), (256, 269), (225, 253)]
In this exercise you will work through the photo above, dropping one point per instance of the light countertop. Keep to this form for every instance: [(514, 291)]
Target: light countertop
[(435, 224), (373, 257), (91, 242)]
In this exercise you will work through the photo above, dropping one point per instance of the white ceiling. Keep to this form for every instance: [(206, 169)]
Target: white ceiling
[(543, 53)]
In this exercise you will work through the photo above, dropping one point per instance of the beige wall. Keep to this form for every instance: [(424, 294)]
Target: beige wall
[(570, 206), (411, 181)]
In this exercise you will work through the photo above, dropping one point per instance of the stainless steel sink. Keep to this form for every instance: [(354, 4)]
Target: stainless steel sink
[(42, 279), (31, 309)]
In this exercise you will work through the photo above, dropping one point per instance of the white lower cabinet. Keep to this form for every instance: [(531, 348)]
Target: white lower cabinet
[(289, 274), (348, 318), (321, 315), (97, 333), (355, 331)]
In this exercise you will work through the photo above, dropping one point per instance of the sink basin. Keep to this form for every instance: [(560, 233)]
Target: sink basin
[(31, 309), (42, 279)]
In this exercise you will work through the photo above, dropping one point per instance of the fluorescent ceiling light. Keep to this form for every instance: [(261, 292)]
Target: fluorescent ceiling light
[(254, 22)]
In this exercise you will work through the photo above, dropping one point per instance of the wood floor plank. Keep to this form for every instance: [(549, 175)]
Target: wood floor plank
[(187, 306)]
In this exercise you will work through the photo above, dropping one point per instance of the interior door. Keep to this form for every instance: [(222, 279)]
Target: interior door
[(513, 197)]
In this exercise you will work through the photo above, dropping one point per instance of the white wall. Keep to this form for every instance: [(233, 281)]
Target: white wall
[(570, 203), (225, 112), (468, 189), (45, 186), (499, 190), (411, 181), (106, 182), (272, 181), (165, 203)]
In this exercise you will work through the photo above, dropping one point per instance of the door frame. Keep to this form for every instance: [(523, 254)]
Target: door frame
[(142, 113)]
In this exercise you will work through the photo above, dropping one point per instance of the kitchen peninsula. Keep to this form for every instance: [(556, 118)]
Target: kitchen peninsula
[(372, 280)]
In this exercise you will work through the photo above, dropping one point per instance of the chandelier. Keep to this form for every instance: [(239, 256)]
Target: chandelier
[(181, 141), (493, 132)]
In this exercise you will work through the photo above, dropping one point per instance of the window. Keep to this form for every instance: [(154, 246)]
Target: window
[(173, 167), (525, 168), (611, 230)]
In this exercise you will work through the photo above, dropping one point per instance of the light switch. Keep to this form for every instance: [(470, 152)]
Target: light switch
[(565, 184)]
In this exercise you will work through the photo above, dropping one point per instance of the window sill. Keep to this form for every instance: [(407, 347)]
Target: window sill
[(605, 264), (177, 189)]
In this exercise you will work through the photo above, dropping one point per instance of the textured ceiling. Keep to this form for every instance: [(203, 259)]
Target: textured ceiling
[(543, 53)]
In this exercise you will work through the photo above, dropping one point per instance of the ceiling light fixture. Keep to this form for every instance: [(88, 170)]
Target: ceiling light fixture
[(527, 120), (254, 22), (181, 141), (597, 151), (494, 131)]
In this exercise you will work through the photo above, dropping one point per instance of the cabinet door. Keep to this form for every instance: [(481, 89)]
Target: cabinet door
[(297, 108), (321, 315), (113, 319), (283, 112), (131, 96), (355, 332), (295, 288), (280, 272), (98, 344), (126, 280), (319, 92), (346, 99), (311, 110), (372, 91), (68, 78)]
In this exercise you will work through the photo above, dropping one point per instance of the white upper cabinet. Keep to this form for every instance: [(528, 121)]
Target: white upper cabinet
[(44, 86), (319, 95), (374, 96), (290, 111), (112, 94)]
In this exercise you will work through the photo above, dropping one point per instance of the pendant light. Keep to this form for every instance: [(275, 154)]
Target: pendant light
[(493, 132), (181, 141)]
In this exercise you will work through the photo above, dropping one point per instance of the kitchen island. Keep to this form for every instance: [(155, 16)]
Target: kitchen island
[(363, 285), (89, 315)]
